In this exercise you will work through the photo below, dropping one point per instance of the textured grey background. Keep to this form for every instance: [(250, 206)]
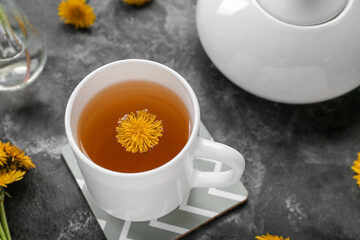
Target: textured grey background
[(298, 156)]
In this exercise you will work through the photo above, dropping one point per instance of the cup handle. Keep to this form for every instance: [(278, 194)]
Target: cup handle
[(207, 149)]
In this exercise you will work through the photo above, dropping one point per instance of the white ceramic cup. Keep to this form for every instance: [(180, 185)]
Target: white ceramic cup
[(148, 195)]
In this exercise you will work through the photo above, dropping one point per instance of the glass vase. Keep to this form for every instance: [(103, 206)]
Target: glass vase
[(22, 50)]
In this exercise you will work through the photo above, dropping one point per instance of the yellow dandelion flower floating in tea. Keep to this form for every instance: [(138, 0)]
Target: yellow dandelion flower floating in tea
[(136, 2), (77, 13), (270, 237), (356, 168), (139, 132)]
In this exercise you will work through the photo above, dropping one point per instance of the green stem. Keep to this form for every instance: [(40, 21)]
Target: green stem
[(4, 223), (2, 234), (6, 25)]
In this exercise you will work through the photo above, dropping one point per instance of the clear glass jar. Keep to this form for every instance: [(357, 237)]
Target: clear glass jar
[(22, 50)]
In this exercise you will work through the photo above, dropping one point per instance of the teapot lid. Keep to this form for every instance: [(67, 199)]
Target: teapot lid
[(304, 12)]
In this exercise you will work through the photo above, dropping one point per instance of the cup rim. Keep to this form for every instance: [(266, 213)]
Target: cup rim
[(90, 163)]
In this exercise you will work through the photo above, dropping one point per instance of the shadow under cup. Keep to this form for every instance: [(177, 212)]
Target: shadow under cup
[(135, 196)]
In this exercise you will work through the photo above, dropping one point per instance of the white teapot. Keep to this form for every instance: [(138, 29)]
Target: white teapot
[(291, 51)]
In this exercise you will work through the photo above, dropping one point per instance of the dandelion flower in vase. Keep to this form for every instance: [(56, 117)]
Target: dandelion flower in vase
[(139, 132), (136, 2), (77, 13), (270, 237), (356, 168)]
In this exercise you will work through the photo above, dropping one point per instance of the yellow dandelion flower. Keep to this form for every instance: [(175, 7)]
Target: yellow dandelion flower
[(7, 178), (136, 2), (77, 13), (17, 156), (24, 161), (356, 168), (270, 237), (11, 150), (139, 132), (2, 155)]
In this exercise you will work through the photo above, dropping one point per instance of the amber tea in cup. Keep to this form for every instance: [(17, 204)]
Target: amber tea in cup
[(99, 119), (150, 184)]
